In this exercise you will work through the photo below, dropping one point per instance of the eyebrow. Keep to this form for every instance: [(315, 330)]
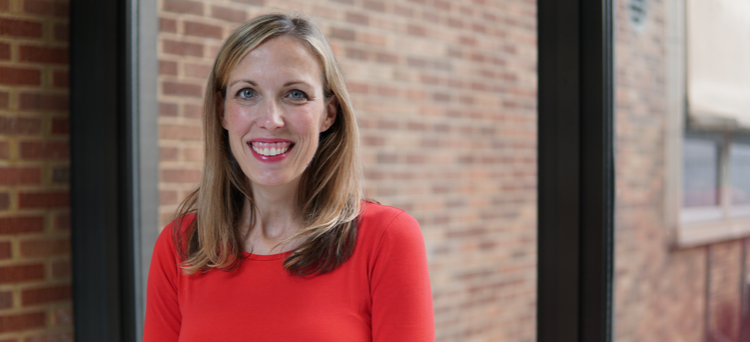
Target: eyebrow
[(252, 83)]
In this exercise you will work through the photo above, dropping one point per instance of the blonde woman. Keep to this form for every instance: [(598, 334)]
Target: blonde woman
[(277, 244)]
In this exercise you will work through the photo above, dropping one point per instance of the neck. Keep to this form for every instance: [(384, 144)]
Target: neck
[(276, 218)]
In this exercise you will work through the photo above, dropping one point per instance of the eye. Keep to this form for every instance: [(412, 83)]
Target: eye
[(246, 93), (297, 95)]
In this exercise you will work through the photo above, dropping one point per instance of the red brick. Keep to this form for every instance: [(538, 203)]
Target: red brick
[(20, 126), (167, 25), (62, 9), (55, 336), (228, 14), (62, 32), (167, 109), (167, 68), (182, 89), (197, 70), (60, 125), (43, 54), (4, 204), (357, 18), (193, 154), (20, 28), (404, 11), (21, 273), (416, 30), (168, 154), (252, 2), (43, 101), (62, 221), (45, 247), (10, 175), (191, 28), (63, 317), (21, 224), (179, 132), (45, 295), (38, 7), (60, 175), (4, 5), (4, 51), (168, 197), (20, 76), (21, 322), (374, 5), (4, 100), (37, 149), (180, 176), (6, 300), (60, 78), (43, 199), (342, 33), (182, 48), (61, 269), (192, 111), (6, 251), (183, 6)]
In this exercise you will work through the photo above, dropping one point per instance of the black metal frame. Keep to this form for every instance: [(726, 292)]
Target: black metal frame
[(575, 171), (101, 241), (575, 167), (114, 198)]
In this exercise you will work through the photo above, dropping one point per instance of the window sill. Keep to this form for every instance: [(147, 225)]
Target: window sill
[(702, 233)]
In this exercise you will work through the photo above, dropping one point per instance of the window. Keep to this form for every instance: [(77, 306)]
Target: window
[(708, 147)]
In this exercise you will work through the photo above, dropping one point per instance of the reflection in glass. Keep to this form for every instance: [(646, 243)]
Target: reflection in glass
[(701, 173), (740, 173)]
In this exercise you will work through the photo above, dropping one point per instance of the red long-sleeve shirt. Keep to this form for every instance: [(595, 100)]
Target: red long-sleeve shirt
[(382, 293)]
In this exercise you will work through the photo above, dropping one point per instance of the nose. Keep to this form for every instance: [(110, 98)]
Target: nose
[(270, 116)]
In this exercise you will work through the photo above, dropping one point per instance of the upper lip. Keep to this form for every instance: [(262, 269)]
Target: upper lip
[(270, 140)]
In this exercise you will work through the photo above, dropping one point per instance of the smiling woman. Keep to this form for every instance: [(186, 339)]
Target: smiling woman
[(277, 243)]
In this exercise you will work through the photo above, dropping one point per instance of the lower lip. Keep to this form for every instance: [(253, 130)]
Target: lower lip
[(271, 159)]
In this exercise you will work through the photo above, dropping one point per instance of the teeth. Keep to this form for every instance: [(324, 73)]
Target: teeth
[(270, 149)]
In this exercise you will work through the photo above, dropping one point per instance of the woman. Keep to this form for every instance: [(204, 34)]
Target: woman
[(277, 244)]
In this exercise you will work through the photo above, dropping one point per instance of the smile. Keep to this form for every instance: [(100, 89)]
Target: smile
[(270, 149)]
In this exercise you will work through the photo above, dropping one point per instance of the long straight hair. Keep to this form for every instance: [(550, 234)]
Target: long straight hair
[(329, 195)]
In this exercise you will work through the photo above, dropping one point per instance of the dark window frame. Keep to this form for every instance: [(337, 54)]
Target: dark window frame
[(114, 177), (111, 170)]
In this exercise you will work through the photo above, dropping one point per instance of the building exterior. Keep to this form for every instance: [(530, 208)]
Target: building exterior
[(446, 94)]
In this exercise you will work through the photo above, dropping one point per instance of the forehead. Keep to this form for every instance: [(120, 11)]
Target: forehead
[(279, 57)]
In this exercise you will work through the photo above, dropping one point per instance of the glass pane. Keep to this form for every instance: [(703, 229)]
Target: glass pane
[(739, 163), (675, 279), (700, 173), (446, 97)]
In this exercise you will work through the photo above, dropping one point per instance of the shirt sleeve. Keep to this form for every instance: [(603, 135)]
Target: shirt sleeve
[(163, 317), (400, 285)]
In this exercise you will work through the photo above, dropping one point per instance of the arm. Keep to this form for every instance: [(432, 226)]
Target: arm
[(163, 317), (400, 285)]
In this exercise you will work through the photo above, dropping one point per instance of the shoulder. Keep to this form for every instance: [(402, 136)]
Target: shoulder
[(165, 241), (381, 223)]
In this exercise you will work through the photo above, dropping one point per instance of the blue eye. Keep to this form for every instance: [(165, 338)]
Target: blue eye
[(246, 93), (297, 95)]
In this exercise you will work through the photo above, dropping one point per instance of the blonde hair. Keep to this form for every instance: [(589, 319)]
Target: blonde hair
[(329, 196)]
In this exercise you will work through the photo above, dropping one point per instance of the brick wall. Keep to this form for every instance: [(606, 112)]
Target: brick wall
[(662, 293), (446, 99), (35, 299)]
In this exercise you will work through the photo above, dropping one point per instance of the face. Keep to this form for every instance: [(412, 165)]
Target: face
[(274, 111)]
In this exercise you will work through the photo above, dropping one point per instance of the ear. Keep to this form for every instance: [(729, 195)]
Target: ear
[(220, 108), (332, 106)]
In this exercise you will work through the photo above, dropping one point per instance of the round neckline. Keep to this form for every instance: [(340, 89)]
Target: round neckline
[(266, 257)]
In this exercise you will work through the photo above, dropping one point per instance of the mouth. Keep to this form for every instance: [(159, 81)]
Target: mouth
[(271, 149)]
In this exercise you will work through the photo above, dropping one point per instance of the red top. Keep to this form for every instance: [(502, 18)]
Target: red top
[(382, 293)]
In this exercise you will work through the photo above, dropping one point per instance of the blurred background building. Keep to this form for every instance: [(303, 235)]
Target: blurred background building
[(446, 94)]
